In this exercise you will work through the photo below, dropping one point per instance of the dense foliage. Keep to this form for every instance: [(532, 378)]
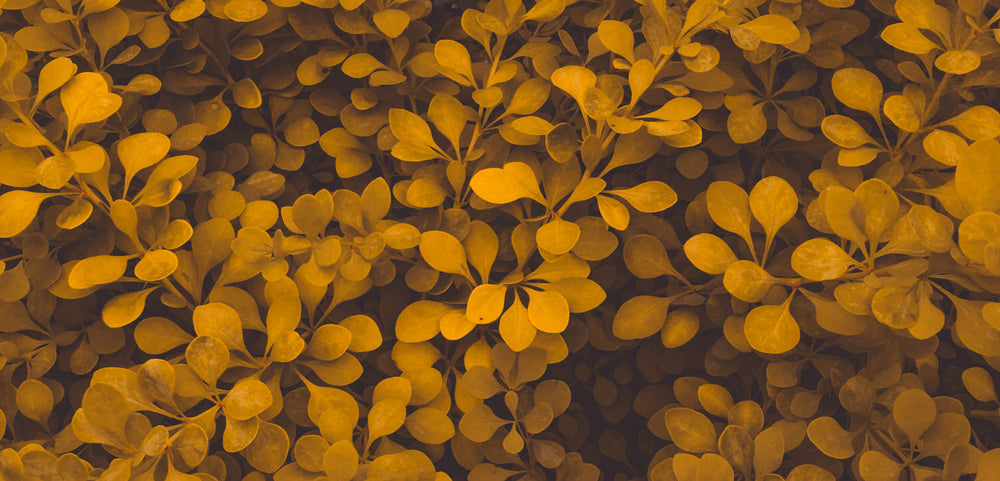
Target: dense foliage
[(397, 240)]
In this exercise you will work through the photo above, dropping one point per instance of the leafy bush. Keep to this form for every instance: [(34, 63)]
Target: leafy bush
[(401, 240)]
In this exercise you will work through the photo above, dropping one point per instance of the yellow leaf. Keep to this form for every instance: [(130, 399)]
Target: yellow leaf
[(925, 14), (138, 151), (839, 205), (245, 10), (558, 236), (248, 398), (575, 81), (617, 37), (486, 303), (747, 281), (944, 146), (773, 29), (17, 209), (978, 234), (652, 196), (340, 461), (122, 309), (729, 207), (97, 270), (445, 112), (365, 334), (529, 96), (548, 311), (329, 342), (269, 448), (157, 335), (208, 358), (831, 439), (901, 112), (691, 430), (246, 94), (958, 62), (979, 122), (747, 124), (681, 326), (771, 329), (479, 423), (914, 411), (680, 108), (53, 75), (34, 399), (646, 258), (430, 425), (444, 252), (221, 322), (640, 317), (908, 38), (709, 253), (187, 10), (385, 417), (614, 212), (977, 177), (532, 125), (86, 99), (391, 22), (514, 181), (156, 264), (420, 321), (454, 58), (858, 89), (108, 28), (425, 193), (820, 259), (773, 203), (881, 206), (857, 157), (516, 329)]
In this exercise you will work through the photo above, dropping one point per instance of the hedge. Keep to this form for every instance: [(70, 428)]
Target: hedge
[(405, 240)]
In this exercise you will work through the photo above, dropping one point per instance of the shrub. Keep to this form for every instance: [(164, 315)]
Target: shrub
[(410, 241)]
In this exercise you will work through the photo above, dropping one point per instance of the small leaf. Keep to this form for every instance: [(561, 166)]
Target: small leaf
[(729, 207), (391, 22), (420, 321), (914, 412), (479, 423), (773, 29), (640, 317), (978, 176), (617, 37), (34, 399), (340, 461), (709, 253), (486, 303), (17, 209), (773, 203), (958, 62), (820, 259), (845, 132), (557, 236), (653, 196), (858, 89), (156, 264), (833, 440), (208, 358), (385, 417), (908, 38), (875, 466), (86, 99), (771, 329), (690, 430), (901, 112), (574, 80), (444, 252), (122, 309), (501, 186), (97, 270), (248, 398), (548, 311), (747, 281), (430, 425)]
